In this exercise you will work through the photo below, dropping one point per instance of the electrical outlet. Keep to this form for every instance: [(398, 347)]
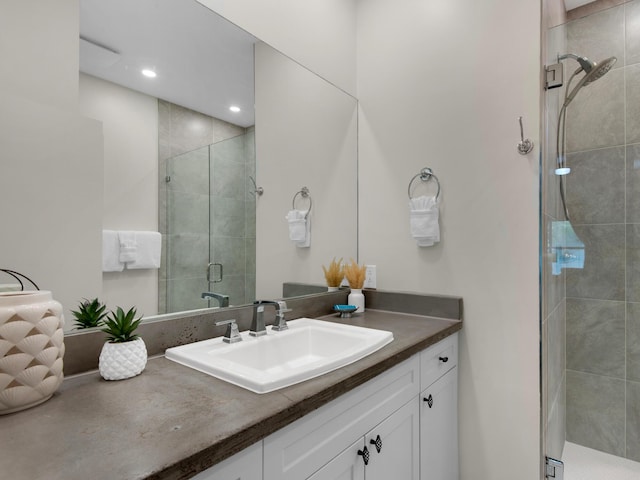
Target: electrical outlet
[(370, 276)]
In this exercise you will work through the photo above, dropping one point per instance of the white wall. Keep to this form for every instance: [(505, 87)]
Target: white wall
[(319, 34), (51, 176), (36, 37), (306, 135), (50, 190), (443, 87), (130, 124)]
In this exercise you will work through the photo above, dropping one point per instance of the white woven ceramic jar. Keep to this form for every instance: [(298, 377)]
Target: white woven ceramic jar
[(122, 360), (31, 349)]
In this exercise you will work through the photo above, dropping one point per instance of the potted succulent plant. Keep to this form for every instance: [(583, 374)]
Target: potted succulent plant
[(124, 354), (90, 314)]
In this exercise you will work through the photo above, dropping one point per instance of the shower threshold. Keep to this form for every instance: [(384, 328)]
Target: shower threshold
[(582, 463)]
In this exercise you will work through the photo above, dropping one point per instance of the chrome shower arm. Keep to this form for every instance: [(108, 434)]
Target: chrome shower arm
[(585, 63)]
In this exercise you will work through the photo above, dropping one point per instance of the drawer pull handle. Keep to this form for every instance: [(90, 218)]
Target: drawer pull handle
[(429, 400), (377, 442), (443, 359), (364, 453)]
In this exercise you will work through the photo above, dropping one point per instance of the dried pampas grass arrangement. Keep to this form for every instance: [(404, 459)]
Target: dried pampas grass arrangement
[(355, 274), (334, 274)]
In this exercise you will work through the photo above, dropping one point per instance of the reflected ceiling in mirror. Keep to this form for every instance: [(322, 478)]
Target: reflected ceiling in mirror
[(200, 60)]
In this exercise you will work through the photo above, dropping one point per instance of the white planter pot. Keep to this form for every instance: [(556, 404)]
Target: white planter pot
[(31, 349), (122, 360)]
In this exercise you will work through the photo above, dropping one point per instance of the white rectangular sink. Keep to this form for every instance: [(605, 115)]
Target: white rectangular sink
[(307, 349)]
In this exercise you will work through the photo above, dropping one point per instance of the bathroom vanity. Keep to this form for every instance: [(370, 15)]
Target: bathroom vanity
[(401, 424), (172, 422)]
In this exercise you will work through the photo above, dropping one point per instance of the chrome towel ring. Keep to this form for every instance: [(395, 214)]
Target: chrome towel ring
[(304, 192), (425, 175)]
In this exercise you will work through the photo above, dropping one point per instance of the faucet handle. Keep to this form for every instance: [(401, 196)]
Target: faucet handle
[(281, 323), (232, 335), (282, 307)]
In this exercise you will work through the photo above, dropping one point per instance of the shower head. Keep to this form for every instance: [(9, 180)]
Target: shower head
[(598, 70), (593, 71)]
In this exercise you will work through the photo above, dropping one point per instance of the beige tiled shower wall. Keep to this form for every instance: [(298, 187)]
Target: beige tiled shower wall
[(603, 197), (207, 210)]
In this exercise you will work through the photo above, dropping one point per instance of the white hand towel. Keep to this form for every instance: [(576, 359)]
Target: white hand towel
[(128, 246), (148, 250), (306, 243), (299, 228), (297, 225), (111, 252), (423, 220)]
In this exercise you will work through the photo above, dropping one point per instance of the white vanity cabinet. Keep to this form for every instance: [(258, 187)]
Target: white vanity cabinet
[(301, 449), (439, 411), (410, 411), (244, 465)]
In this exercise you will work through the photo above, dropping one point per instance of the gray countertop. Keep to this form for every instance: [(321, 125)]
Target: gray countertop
[(171, 422)]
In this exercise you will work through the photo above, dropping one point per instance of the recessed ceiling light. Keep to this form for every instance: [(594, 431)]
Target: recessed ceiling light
[(149, 73), (234, 109)]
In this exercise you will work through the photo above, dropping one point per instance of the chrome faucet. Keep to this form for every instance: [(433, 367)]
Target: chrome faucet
[(258, 328), (232, 335), (223, 300)]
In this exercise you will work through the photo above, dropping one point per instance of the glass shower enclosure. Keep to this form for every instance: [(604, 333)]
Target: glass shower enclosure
[(591, 310), (210, 226)]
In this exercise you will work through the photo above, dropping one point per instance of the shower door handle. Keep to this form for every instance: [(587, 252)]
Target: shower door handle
[(220, 270)]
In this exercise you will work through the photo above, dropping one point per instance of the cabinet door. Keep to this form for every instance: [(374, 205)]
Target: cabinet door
[(346, 466), (439, 429), (398, 440), (245, 465), (302, 448)]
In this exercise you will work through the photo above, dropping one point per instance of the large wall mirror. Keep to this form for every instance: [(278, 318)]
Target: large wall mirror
[(181, 161)]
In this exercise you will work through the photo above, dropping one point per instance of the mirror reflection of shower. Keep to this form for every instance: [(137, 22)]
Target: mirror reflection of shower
[(592, 72), (210, 209)]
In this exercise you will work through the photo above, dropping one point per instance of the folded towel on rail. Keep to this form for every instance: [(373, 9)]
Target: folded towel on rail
[(111, 252), (128, 246), (148, 250), (423, 220), (299, 227)]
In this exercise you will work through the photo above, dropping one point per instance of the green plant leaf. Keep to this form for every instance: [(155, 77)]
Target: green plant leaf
[(90, 314), (120, 326)]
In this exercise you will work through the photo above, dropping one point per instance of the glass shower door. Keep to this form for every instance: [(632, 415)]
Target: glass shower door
[(188, 230), (591, 315), (232, 218), (210, 226)]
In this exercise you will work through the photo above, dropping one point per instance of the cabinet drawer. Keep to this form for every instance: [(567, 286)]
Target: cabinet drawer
[(302, 448), (438, 359)]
